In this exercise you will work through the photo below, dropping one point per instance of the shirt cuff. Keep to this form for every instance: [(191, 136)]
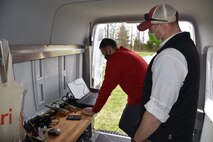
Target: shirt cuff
[(158, 110)]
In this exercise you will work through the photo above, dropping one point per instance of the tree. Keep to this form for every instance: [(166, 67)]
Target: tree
[(111, 32), (137, 44), (122, 36), (153, 43)]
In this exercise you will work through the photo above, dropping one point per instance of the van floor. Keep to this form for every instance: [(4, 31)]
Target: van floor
[(108, 136)]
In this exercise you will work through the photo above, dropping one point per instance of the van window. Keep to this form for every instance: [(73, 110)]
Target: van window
[(125, 34)]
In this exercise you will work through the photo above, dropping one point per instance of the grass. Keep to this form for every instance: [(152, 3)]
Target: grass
[(144, 54), (109, 116)]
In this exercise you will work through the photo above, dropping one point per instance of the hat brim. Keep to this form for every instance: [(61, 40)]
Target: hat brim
[(144, 25)]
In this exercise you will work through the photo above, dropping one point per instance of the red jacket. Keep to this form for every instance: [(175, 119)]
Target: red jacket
[(126, 68)]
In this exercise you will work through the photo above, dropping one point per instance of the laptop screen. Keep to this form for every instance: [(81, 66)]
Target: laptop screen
[(78, 88)]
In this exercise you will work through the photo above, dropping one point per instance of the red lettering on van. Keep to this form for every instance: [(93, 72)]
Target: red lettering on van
[(6, 115)]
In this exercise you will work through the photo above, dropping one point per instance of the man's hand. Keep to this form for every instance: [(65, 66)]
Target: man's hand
[(88, 111)]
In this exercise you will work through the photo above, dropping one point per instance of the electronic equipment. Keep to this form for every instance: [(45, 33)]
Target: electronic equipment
[(54, 131), (59, 110), (33, 124), (81, 92), (74, 117)]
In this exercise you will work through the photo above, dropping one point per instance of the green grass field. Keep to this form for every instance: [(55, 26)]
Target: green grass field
[(144, 54), (108, 118)]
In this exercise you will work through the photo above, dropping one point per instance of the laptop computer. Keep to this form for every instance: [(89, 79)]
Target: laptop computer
[(81, 92)]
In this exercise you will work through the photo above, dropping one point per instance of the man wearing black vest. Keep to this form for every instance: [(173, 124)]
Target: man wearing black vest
[(171, 86)]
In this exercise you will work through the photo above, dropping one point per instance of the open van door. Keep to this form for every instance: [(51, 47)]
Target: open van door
[(206, 135), (209, 84), (97, 58)]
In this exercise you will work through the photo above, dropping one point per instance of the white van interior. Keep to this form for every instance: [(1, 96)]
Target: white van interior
[(53, 42)]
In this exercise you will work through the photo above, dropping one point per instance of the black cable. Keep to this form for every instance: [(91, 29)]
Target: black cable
[(54, 122)]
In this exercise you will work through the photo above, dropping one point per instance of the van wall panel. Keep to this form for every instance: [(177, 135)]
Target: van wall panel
[(51, 79), (71, 67), (43, 79), (23, 75), (38, 78)]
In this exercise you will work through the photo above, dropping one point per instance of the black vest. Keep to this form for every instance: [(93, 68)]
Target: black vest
[(179, 126)]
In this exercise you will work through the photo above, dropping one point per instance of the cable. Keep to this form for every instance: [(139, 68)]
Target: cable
[(54, 122), (74, 107), (69, 96)]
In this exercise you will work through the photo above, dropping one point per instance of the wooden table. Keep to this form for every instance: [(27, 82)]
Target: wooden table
[(70, 130)]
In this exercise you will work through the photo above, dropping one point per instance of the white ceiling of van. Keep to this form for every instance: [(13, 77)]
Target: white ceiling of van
[(119, 8)]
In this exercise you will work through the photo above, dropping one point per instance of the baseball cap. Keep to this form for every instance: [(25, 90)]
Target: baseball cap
[(162, 13)]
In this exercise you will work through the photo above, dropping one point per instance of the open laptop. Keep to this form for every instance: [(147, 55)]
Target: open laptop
[(81, 92)]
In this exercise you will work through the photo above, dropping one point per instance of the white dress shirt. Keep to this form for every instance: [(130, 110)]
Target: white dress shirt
[(169, 70)]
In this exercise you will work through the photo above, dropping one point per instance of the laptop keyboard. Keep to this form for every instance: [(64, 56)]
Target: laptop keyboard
[(89, 99)]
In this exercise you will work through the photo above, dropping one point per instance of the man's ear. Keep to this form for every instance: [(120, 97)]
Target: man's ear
[(112, 50)]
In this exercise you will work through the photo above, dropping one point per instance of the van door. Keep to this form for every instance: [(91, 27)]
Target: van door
[(97, 57)]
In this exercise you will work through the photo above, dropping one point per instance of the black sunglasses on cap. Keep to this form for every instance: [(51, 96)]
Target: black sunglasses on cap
[(146, 17)]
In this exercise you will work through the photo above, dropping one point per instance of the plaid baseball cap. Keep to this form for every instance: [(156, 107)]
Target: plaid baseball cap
[(162, 13)]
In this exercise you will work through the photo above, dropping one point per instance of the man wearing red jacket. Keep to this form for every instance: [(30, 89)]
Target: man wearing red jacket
[(127, 69)]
